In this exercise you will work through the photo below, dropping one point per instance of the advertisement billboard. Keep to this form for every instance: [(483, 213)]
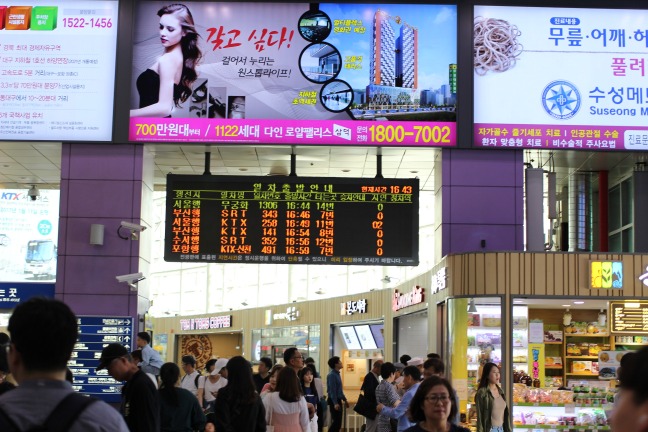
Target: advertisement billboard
[(28, 235), (57, 75), (294, 73), (560, 78)]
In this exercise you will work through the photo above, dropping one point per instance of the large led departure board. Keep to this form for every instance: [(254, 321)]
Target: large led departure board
[(291, 220)]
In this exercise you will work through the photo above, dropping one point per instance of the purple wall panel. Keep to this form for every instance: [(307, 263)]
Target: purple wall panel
[(108, 305), (467, 238), (97, 198), (483, 205), (78, 239), (482, 200), (95, 162), (96, 275)]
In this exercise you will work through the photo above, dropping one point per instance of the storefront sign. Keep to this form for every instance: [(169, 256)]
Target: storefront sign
[(207, 323), (414, 297), (13, 293), (606, 274), (644, 277), (629, 317), (439, 281), (291, 314), (351, 307)]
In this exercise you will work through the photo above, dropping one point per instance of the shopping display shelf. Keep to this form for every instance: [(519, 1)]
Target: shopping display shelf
[(582, 374), (549, 404), (583, 357), (553, 367), (553, 343)]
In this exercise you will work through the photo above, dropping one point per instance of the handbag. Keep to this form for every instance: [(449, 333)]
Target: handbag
[(365, 407)]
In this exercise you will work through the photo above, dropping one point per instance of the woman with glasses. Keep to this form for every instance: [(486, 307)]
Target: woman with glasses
[(492, 410), (432, 406)]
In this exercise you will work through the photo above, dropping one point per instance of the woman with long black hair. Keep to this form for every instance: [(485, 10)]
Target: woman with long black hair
[(179, 409), (492, 410), (238, 406)]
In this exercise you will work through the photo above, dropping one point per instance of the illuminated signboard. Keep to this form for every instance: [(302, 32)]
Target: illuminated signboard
[(207, 323), (58, 70), (629, 317), (353, 306), (560, 78), (297, 73), (403, 300), (291, 220), (606, 274)]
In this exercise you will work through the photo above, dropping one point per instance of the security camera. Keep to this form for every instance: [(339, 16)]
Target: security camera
[(133, 228), (130, 278), (33, 193)]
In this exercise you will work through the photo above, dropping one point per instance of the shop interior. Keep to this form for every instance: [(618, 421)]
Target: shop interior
[(565, 355)]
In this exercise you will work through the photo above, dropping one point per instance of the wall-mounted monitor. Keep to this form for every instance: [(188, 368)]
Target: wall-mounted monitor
[(377, 332), (295, 73), (350, 338), (366, 338), (57, 75), (291, 220), (560, 78)]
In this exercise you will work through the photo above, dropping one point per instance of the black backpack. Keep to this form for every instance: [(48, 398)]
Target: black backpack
[(60, 419)]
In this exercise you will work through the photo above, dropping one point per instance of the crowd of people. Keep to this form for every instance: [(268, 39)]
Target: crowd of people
[(412, 395)]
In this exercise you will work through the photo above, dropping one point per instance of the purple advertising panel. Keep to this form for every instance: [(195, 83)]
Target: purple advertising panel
[(294, 73), (559, 78), (57, 70)]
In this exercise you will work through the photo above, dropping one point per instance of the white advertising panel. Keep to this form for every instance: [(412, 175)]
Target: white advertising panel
[(57, 70), (552, 78)]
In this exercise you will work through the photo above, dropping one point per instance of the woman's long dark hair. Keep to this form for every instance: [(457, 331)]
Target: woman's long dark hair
[(191, 53), (169, 374), (303, 372), (240, 388), (483, 381)]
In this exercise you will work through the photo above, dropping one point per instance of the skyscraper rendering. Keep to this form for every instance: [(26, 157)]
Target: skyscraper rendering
[(394, 60)]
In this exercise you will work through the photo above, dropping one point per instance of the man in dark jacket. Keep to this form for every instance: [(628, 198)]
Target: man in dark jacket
[(368, 388)]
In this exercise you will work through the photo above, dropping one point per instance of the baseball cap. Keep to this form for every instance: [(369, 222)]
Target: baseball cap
[(415, 361), (220, 364), (110, 353), (399, 366)]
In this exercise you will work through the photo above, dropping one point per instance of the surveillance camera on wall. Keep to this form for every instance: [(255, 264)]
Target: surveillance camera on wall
[(130, 278), (133, 228)]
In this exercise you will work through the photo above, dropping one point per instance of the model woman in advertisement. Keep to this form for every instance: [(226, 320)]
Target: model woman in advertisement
[(167, 83)]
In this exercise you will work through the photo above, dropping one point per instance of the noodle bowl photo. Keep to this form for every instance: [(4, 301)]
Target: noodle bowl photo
[(495, 45)]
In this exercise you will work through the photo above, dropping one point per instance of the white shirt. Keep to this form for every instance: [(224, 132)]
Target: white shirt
[(273, 403), (188, 382), (211, 388)]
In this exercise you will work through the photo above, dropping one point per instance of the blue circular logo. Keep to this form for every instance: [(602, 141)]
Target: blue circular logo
[(561, 99), (44, 227)]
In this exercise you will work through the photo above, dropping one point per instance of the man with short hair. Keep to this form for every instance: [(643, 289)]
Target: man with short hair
[(335, 393), (190, 379), (43, 334), (293, 359), (368, 389), (140, 404), (151, 360), (435, 367), (263, 376), (411, 382)]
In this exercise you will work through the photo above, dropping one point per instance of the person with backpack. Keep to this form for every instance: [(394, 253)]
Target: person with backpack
[(43, 334), (179, 411)]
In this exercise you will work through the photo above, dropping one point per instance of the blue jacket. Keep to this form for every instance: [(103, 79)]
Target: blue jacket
[(334, 388), (400, 412)]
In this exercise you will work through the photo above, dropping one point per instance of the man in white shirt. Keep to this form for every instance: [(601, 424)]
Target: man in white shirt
[(190, 380)]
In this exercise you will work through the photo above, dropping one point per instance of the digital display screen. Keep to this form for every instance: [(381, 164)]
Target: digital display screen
[(350, 338), (57, 76), (366, 338), (292, 220), (629, 317), (295, 73), (377, 332), (560, 78)]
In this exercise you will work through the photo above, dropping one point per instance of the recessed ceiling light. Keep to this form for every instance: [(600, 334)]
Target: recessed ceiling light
[(414, 172), (565, 305), (518, 301), (243, 169), (346, 170), (579, 302)]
